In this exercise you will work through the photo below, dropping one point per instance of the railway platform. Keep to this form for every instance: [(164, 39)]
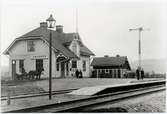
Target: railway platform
[(29, 102)]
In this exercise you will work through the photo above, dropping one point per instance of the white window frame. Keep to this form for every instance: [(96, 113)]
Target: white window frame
[(28, 46), (72, 63)]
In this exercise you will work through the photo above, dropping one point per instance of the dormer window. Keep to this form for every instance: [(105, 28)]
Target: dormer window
[(30, 46)]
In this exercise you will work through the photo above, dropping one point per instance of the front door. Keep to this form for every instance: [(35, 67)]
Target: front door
[(61, 60), (39, 64), (119, 73), (13, 69), (62, 70)]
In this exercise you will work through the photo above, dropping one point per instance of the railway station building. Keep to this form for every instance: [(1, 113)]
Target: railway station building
[(110, 67), (31, 52)]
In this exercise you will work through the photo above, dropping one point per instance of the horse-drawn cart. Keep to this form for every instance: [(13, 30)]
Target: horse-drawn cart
[(31, 75)]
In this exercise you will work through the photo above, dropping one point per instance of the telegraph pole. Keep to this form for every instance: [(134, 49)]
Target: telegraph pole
[(51, 22), (140, 29), (76, 20)]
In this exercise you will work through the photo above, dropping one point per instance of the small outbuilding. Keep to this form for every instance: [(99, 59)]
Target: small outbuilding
[(110, 67)]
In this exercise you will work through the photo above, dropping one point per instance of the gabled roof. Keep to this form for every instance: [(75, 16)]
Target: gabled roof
[(69, 37), (58, 40), (109, 61), (85, 51)]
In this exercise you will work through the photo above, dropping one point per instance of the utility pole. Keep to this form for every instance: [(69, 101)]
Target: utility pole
[(51, 22), (76, 20), (140, 29)]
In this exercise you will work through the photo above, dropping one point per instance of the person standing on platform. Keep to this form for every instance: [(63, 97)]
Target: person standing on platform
[(80, 74), (137, 73), (142, 74), (77, 73)]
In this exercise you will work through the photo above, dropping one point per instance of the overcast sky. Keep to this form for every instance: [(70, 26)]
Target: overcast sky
[(103, 24)]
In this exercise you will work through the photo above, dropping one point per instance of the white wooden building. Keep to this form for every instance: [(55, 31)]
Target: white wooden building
[(31, 52), (110, 67)]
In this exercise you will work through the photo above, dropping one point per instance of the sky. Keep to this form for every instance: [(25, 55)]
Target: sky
[(103, 25)]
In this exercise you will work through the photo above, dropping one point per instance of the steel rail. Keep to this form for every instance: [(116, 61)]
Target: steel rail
[(43, 93), (70, 106), (99, 99), (112, 99), (37, 94)]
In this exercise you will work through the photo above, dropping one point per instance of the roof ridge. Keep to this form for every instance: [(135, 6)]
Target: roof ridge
[(58, 39)]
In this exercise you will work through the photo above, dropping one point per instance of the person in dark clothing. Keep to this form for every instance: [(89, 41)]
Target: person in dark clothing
[(80, 74), (142, 74), (137, 73), (77, 73), (125, 75), (23, 70)]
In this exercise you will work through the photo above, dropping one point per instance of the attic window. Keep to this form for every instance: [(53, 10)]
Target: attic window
[(30, 46)]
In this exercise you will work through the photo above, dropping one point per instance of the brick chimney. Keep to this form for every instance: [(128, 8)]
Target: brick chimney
[(117, 55), (44, 24), (106, 55), (59, 28)]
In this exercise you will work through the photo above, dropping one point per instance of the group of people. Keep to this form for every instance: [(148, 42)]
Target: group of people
[(140, 73), (78, 74)]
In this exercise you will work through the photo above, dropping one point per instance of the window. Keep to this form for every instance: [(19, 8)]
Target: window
[(57, 66), (119, 73), (99, 70), (74, 64), (67, 68), (103, 71), (84, 65), (39, 64), (110, 71), (115, 73), (21, 65), (30, 46)]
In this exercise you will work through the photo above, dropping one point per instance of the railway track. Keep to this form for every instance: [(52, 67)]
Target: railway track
[(37, 94), (116, 98), (77, 105)]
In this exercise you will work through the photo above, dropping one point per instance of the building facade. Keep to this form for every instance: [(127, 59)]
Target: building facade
[(31, 52), (110, 67)]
